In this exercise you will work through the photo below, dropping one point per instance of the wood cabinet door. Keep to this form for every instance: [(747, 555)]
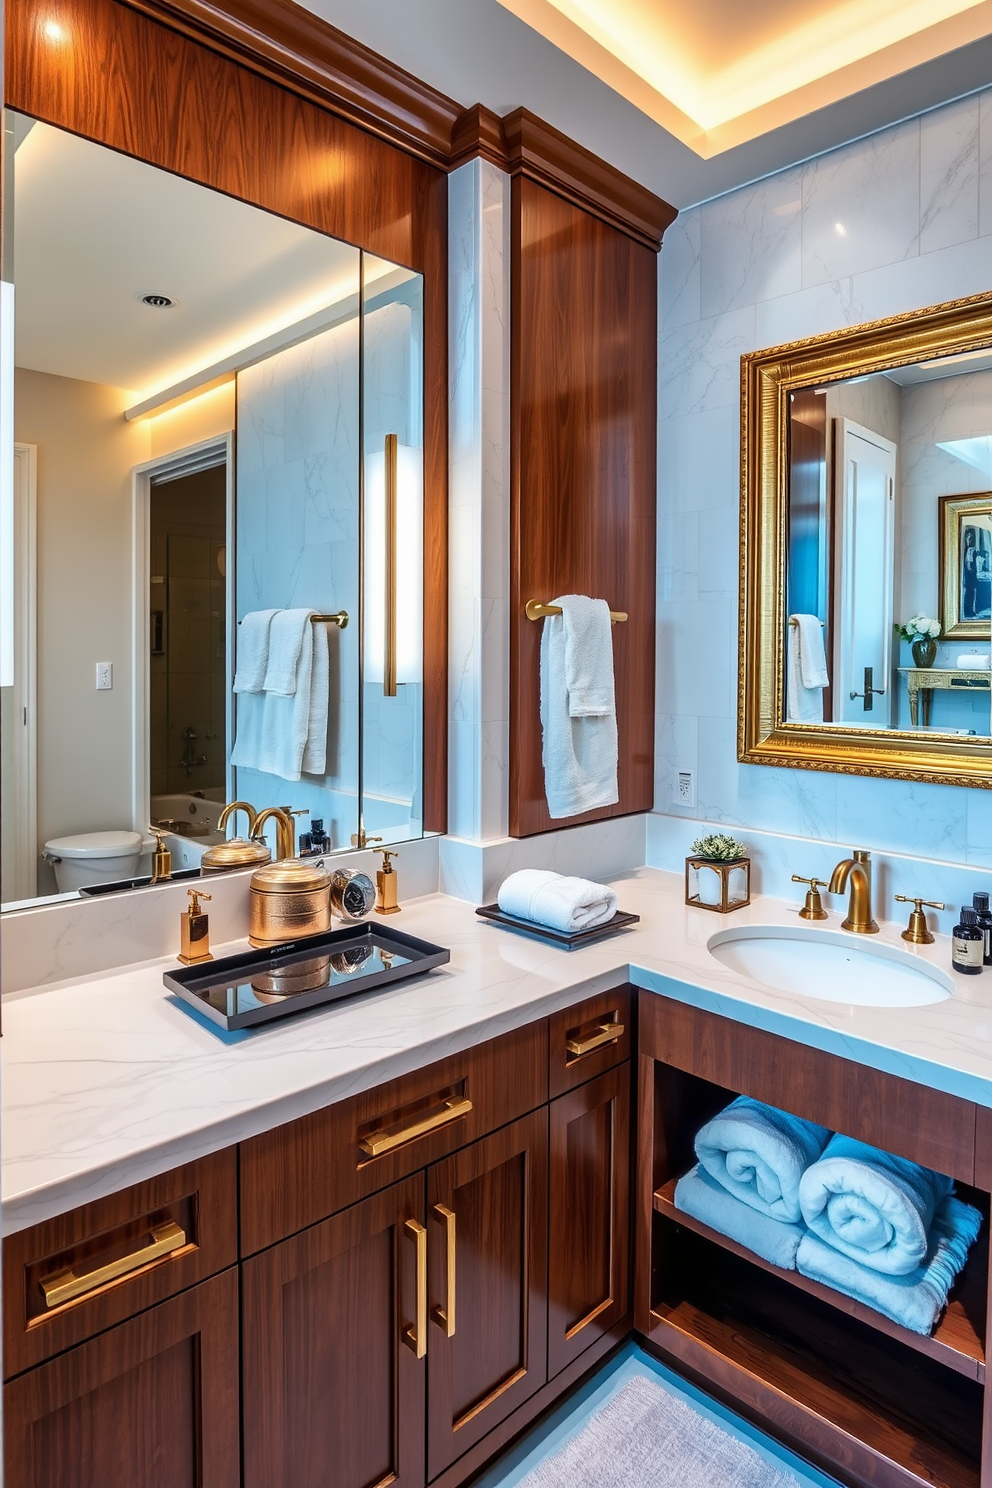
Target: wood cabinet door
[(487, 1344), (589, 1260), (152, 1402), (333, 1385)]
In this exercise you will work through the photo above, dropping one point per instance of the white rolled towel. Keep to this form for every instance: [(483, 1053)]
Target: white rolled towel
[(561, 903)]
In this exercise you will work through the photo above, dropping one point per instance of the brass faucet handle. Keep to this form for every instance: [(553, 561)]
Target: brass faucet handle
[(917, 932), (813, 908)]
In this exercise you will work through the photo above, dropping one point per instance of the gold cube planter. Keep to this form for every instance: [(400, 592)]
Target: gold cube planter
[(719, 886)]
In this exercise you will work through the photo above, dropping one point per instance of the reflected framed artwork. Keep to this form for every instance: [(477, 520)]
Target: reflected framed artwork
[(966, 565)]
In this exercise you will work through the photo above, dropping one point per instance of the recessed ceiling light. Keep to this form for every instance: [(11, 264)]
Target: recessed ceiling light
[(157, 301)]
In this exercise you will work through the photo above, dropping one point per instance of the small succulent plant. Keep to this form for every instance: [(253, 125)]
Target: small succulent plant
[(718, 847)]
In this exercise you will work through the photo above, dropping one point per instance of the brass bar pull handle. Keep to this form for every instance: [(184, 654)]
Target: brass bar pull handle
[(64, 1286), (415, 1338), (378, 1142), (389, 668), (606, 1033), (535, 609), (445, 1316)]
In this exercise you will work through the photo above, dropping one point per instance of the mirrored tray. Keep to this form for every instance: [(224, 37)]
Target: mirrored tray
[(258, 986)]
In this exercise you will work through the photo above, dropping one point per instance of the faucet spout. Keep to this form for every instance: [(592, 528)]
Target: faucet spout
[(856, 872), (285, 830)]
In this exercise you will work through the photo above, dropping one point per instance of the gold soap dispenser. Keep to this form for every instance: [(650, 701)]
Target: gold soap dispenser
[(194, 929), (387, 883)]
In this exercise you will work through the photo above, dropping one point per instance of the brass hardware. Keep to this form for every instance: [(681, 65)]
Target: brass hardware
[(416, 1337), (793, 621), (606, 1033), (285, 829), (917, 931), (813, 908), (534, 609), (339, 618), (768, 378), (64, 1286), (288, 899), (230, 810), (388, 1139), (162, 860), (386, 880), (194, 930), (389, 662), (445, 1316), (360, 840), (857, 870)]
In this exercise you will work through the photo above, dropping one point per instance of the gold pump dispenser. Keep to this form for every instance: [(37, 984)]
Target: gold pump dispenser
[(194, 930), (162, 860), (387, 883)]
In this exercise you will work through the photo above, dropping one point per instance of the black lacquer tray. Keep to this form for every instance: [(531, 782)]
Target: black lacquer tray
[(566, 940), (258, 986)]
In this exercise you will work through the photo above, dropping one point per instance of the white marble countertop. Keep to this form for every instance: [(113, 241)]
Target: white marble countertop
[(108, 1080)]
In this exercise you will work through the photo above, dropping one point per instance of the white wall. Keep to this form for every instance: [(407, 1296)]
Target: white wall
[(892, 223)]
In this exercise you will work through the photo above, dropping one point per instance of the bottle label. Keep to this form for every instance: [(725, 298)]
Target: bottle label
[(967, 952)]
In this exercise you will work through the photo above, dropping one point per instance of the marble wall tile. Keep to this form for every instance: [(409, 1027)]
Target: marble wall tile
[(946, 274), (979, 828), (811, 312), (751, 244), (949, 166), (985, 162), (699, 459), (700, 363), (861, 205), (599, 850), (679, 270), (676, 748), (697, 670)]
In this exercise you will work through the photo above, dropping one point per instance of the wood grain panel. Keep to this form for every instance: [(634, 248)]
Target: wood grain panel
[(122, 79), (912, 1120), (589, 1207), (332, 1394), (201, 1196), (498, 1191), (308, 1169), (583, 436), (580, 1021), (153, 1402)]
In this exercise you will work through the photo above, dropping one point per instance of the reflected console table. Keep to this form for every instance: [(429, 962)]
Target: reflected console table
[(922, 680)]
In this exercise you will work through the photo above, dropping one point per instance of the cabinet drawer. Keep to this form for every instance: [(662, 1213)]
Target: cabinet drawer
[(589, 1038), (68, 1278), (302, 1172), (927, 1126)]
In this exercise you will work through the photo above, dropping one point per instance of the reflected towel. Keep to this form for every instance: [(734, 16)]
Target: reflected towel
[(315, 750), (272, 728), (564, 904), (253, 650), (759, 1154), (872, 1206), (578, 707), (806, 668), (287, 636), (697, 1194), (915, 1299)]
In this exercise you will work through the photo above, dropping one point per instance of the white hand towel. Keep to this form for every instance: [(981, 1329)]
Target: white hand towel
[(806, 668), (561, 903), (273, 728), (315, 751), (578, 710), (287, 635), (253, 651)]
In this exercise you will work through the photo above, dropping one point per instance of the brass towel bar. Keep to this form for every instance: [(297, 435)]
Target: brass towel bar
[(535, 610), (340, 619), (794, 621)]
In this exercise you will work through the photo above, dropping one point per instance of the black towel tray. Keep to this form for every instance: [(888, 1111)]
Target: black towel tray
[(567, 941), (258, 986)]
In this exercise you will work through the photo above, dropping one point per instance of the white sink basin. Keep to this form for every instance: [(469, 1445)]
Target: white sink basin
[(833, 965)]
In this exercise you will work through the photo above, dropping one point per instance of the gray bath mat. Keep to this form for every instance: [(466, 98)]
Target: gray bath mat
[(646, 1438)]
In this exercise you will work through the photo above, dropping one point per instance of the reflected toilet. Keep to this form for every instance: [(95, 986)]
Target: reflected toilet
[(94, 858)]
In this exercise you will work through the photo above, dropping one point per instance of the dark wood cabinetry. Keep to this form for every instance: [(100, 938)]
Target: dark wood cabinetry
[(331, 1372), (589, 1215), (152, 1402), (488, 1207)]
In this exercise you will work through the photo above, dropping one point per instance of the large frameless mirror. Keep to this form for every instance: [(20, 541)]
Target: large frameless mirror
[(216, 531), (867, 533)]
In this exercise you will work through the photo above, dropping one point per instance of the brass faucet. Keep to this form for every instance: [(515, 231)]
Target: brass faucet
[(857, 869), (231, 808), (285, 829)]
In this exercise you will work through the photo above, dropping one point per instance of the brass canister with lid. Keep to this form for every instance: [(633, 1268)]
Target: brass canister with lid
[(236, 852), (287, 899)]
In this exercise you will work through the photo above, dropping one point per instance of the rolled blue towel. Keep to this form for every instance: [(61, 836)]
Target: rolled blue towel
[(759, 1154), (915, 1300), (697, 1194), (872, 1206)]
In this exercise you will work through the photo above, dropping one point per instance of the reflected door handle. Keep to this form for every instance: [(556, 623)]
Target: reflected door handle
[(445, 1316)]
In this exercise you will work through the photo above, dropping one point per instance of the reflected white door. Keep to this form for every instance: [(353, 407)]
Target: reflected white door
[(864, 535), (18, 703)]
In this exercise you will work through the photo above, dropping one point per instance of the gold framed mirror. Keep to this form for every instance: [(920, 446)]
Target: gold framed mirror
[(866, 475)]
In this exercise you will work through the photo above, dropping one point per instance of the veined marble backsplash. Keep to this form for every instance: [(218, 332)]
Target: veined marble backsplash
[(891, 223), (776, 856)]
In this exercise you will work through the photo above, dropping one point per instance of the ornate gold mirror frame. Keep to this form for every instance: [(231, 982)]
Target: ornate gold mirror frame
[(768, 377)]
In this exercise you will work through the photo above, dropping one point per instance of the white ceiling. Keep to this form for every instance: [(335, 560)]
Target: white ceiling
[(478, 51), (93, 229)]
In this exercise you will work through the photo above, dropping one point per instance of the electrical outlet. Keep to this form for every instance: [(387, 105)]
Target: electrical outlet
[(104, 676), (685, 788)]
